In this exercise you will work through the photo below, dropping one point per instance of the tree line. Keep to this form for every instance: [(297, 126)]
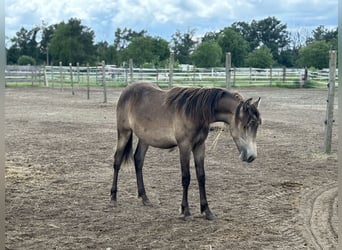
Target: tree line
[(260, 43)]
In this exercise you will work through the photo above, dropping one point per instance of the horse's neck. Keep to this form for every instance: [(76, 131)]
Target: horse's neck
[(225, 111)]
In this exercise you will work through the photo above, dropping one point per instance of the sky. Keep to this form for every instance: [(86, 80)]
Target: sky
[(164, 17)]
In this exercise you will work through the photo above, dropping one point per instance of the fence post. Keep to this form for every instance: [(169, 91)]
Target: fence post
[(330, 103), (284, 74), (131, 70), (78, 74), (88, 87), (157, 75), (72, 80), (228, 67), (46, 82), (104, 82), (172, 61), (61, 75), (234, 77), (126, 73), (271, 75), (30, 69), (52, 76)]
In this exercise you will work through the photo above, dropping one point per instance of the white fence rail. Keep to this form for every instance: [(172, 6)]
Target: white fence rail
[(57, 75), (32, 74)]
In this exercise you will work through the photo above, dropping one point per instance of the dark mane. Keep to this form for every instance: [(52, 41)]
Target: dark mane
[(197, 103)]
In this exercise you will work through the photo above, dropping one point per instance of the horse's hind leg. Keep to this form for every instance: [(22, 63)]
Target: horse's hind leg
[(123, 151), (139, 157)]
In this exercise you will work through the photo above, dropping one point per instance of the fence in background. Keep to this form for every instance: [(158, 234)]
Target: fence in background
[(65, 76), (24, 74)]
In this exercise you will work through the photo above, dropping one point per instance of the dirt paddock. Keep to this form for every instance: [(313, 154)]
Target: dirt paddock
[(59, 173)]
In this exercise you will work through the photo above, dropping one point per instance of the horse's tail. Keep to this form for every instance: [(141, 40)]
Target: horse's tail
[(128, 151)]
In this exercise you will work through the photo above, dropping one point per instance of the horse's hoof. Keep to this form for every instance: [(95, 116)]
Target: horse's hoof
[(113, 203), (188, 218), (146, 202), (210, 216)]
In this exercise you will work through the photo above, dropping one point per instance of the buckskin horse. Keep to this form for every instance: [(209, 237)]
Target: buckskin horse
[(180, 117)]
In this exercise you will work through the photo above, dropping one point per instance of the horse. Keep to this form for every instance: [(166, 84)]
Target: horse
[(180, 117)]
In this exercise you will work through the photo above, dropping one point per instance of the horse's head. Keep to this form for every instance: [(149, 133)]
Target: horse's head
[(244, 128)]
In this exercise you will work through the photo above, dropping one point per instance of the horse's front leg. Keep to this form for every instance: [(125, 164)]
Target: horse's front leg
[(199, 153), (185, 167)]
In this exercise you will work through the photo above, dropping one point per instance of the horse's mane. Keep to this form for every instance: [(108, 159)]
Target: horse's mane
[(198, 104)]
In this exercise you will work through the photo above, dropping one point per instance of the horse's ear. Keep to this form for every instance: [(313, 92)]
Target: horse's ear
[(257, 103), (246, 104)]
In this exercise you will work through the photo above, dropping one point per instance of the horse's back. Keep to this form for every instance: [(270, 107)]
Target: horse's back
[(135, 91)]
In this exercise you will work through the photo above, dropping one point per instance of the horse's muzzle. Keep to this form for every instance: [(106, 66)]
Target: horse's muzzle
[(244, 156)]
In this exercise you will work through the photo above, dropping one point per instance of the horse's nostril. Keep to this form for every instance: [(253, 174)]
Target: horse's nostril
[(251, 158)]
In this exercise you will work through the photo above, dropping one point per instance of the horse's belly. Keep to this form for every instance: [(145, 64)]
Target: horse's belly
[(158, 137)]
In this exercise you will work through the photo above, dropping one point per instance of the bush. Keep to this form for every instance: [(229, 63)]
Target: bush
[(260, 58), (25, 60), (314, 55), (207, 54)]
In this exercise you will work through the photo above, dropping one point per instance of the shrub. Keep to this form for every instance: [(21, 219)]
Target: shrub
[(25, 60)]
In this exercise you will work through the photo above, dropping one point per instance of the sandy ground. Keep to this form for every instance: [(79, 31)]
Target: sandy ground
[(59, 172)]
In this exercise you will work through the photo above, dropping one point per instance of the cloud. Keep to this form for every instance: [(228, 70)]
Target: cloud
[(164, 17)]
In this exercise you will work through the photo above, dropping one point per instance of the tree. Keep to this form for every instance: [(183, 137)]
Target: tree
[(288, 57), (47, 33), (72, 42), (207, 54), (260, 58), (210, 36), (147, 49), (161, 50), (13, 54), (272, 33), (248, 33), (183, 44), (231, 41), (269, 32), (24, 43), (315, 55), (106, 52), (125, 36), (321, 33)]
